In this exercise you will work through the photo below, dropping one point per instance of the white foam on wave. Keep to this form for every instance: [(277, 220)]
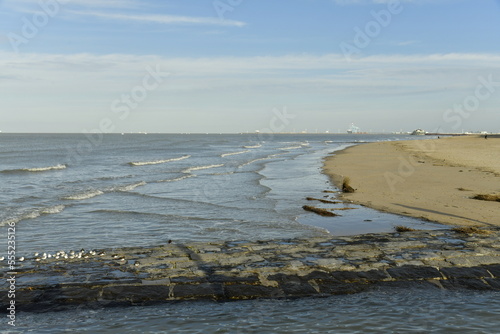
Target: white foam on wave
[(44, 169), (53, 210), (129, 187), (192, 169), (253, 146), (97, 192), (272, 156), (157, 162), (32, 214), (291, 147), (178, 178), (85, 195), (233, 153), (36, 169)]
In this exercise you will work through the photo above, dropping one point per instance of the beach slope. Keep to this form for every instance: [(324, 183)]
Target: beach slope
[(432, 179)]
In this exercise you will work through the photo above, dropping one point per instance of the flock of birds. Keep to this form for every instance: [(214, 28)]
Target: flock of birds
[(82, 254)]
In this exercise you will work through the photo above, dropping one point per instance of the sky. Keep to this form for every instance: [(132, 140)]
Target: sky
[(229, 66)]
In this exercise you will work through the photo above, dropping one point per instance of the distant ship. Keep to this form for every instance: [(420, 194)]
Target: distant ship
[(418, 132), (353, 129)]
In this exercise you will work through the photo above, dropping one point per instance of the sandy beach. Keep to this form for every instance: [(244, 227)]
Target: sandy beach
[(432, 179)]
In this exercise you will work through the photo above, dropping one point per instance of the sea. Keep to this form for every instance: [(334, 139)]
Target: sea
[(93, 191)]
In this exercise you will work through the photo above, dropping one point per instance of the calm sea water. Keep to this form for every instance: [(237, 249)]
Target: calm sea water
[(69, 192), (377, 312)]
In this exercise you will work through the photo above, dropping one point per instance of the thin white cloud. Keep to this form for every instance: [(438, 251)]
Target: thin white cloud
[(80, 3), (81, 87), (404, 43), (404, 70), (161, 19)]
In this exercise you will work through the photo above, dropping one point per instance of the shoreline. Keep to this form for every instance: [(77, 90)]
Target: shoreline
[(432, 179)]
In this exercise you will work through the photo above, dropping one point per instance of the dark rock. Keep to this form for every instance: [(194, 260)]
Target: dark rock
[(318, 275), (188, 279), (360, 276), (334, 287), (466, 283), (135, 294), (461, 272), (253, 279), (493, 269), (493, 282), (413, 273), (198, 291), (246, 291)]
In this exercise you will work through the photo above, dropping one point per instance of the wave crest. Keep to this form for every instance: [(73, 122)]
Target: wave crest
[(35, 169), (85, 195), (32, 214), (178, 178), (157, 162), (253, 146), (129, 187), (192, 169), (233, 153)]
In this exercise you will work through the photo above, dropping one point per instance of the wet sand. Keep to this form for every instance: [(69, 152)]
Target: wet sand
[(432, 179)]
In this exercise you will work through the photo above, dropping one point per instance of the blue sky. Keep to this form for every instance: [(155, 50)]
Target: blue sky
[(386, 65)]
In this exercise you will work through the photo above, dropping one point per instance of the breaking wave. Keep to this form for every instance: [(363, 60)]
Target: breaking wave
[(97, 192), (290, 147), (192, 169), (85, 195), (178, 178), (253, 146), (233, 153), (129, 187), (157, 162), (35, 169), (32, 214)]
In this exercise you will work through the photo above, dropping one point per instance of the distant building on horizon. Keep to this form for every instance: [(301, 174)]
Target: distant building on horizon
[(353, 129)]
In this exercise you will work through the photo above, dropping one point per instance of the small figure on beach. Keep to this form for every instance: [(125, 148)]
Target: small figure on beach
[(485, 136)]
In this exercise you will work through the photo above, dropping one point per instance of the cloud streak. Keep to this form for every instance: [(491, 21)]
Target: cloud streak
[(81, 3), (160, 19)]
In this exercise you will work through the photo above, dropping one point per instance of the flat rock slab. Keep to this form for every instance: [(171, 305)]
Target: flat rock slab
[(442, 259)]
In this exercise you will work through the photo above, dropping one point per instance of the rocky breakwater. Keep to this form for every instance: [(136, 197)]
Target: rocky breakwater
[(442, 259)]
